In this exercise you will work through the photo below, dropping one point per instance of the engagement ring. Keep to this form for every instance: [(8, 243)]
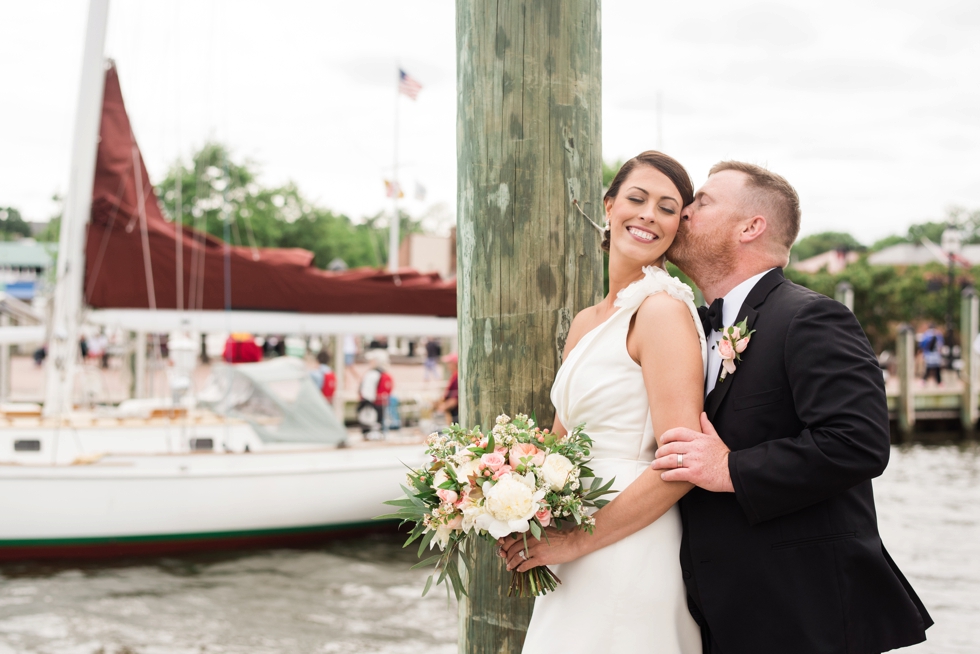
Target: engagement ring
[(680, 460), (522, 555)]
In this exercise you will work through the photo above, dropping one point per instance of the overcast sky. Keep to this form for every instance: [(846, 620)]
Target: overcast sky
[(871, 109)]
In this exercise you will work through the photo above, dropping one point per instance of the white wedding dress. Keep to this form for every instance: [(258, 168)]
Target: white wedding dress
[(627, 597)]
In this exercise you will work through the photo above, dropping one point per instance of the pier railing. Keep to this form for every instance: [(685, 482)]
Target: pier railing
[(910, 401)]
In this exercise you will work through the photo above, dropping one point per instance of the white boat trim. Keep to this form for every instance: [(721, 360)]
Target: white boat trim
[(272, 322), (20, 335)]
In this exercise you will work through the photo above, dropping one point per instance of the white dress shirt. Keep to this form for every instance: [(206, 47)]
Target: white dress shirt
[(729, 312)]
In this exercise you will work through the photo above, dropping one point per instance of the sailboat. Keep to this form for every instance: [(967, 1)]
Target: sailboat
[(260, 459)]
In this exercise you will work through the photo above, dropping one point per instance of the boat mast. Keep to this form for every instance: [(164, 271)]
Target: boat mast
[(67, 310)]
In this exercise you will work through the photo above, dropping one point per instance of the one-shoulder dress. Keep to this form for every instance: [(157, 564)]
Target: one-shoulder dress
[(627, 597)]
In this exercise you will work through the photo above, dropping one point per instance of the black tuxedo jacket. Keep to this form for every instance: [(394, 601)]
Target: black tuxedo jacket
[(791, 562)]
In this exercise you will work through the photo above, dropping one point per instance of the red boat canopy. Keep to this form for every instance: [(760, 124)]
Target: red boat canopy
[(269, 279)]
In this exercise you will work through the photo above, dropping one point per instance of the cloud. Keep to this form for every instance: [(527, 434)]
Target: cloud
[(935, 41), (668, 104), (850, 75), (957, 143), (849, 153), (767, 25), (379, 70)]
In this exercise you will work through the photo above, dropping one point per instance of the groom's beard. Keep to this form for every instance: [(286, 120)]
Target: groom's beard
[(705, 258)]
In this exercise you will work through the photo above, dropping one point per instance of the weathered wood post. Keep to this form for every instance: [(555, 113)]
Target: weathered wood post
[(4, 363), (844, 293), (139, 372), (969, 325), (905, 353), (340, 372), (528, 144)]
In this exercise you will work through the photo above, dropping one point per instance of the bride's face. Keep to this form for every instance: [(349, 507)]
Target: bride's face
[(643, 217)]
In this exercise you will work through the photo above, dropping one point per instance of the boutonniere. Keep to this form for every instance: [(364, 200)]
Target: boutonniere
[(733, 342)]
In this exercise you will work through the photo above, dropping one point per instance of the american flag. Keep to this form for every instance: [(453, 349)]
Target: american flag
[(408, 85), (393, 189)]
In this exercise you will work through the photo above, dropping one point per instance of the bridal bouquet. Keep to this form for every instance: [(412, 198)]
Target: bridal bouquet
[(513, 480)]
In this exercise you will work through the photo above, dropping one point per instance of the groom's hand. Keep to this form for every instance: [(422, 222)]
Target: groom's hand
[(703, 457)]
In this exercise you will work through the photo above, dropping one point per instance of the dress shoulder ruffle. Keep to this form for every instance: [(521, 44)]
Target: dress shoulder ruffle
[(655, 280)]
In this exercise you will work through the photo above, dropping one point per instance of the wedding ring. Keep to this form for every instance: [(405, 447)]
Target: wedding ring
[(522, 555), (680, 460)]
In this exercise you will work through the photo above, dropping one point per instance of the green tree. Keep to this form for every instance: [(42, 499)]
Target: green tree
[(52, 231), (811, 246), (930, 230), (886, 296), (12, 225), (216, 188), (887, 242), (609, 170), (967, 221)]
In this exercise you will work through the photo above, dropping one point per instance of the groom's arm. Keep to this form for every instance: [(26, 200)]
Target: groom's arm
[(839, 394)]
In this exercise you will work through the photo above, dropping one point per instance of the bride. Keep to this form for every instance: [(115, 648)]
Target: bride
[(633, 368)]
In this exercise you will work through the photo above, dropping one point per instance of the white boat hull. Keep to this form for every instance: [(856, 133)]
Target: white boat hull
[(104, 505)]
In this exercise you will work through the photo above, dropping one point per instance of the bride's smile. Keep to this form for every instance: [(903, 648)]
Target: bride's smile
[(641, 234)]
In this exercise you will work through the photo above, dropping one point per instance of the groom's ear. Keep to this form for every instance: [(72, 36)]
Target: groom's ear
[(752, 229)]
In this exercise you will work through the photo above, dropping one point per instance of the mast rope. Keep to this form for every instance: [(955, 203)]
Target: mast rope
[(151, 296), (105, 240)]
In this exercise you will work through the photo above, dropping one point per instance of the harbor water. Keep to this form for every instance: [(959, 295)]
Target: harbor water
[(360, 595)]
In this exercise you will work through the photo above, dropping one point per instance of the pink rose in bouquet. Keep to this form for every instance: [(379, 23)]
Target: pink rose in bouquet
[(521, 451)]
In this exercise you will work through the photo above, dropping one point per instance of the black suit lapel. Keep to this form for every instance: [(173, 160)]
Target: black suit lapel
[(748, 313)]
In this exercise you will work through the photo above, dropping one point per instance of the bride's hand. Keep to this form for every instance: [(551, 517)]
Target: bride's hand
[(554, 547)]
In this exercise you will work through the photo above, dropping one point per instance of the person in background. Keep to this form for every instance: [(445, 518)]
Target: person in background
[(97, 346), (432, 353), (350, 355), (931, 344), (323, 375), (450, 400), (241, 348), (104, 340), (374, 392)]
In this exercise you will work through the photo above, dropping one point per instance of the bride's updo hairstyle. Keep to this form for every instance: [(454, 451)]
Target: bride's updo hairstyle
[(667, 165)]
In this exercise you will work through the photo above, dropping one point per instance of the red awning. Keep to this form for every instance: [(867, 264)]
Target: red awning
[(267, 279)]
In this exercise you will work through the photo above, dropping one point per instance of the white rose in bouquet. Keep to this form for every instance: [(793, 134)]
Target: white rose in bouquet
[(443, 532), (471, 514), (556, 471), (509, 505), (439, 478), (466, 470)]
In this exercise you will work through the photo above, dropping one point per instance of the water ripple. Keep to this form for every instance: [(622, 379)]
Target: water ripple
[(360, 597)]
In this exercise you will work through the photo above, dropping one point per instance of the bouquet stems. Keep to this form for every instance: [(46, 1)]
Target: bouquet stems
[(534, 582)]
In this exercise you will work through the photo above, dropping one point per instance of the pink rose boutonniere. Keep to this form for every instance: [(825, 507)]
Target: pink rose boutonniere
[(733, 342)]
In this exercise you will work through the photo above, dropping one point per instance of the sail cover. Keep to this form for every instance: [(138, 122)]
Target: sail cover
[(131, 259)]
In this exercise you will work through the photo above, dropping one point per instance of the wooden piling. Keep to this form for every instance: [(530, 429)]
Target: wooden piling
[(4, 363), (905, 354), (844, 293), (139, 365), (969, 325), (528, 146), (340, 373)]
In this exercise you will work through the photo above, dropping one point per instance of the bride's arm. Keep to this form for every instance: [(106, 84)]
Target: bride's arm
[(665, 344)]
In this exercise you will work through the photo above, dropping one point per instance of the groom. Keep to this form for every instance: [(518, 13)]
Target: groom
[(781, 552)]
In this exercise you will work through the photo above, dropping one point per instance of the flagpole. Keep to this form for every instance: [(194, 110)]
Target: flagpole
[(393, 227)]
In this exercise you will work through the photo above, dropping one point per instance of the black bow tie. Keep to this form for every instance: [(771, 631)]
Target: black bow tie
[(711, 316)]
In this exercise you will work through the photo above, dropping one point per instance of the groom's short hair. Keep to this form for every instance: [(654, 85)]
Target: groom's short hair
[(773, 194)]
